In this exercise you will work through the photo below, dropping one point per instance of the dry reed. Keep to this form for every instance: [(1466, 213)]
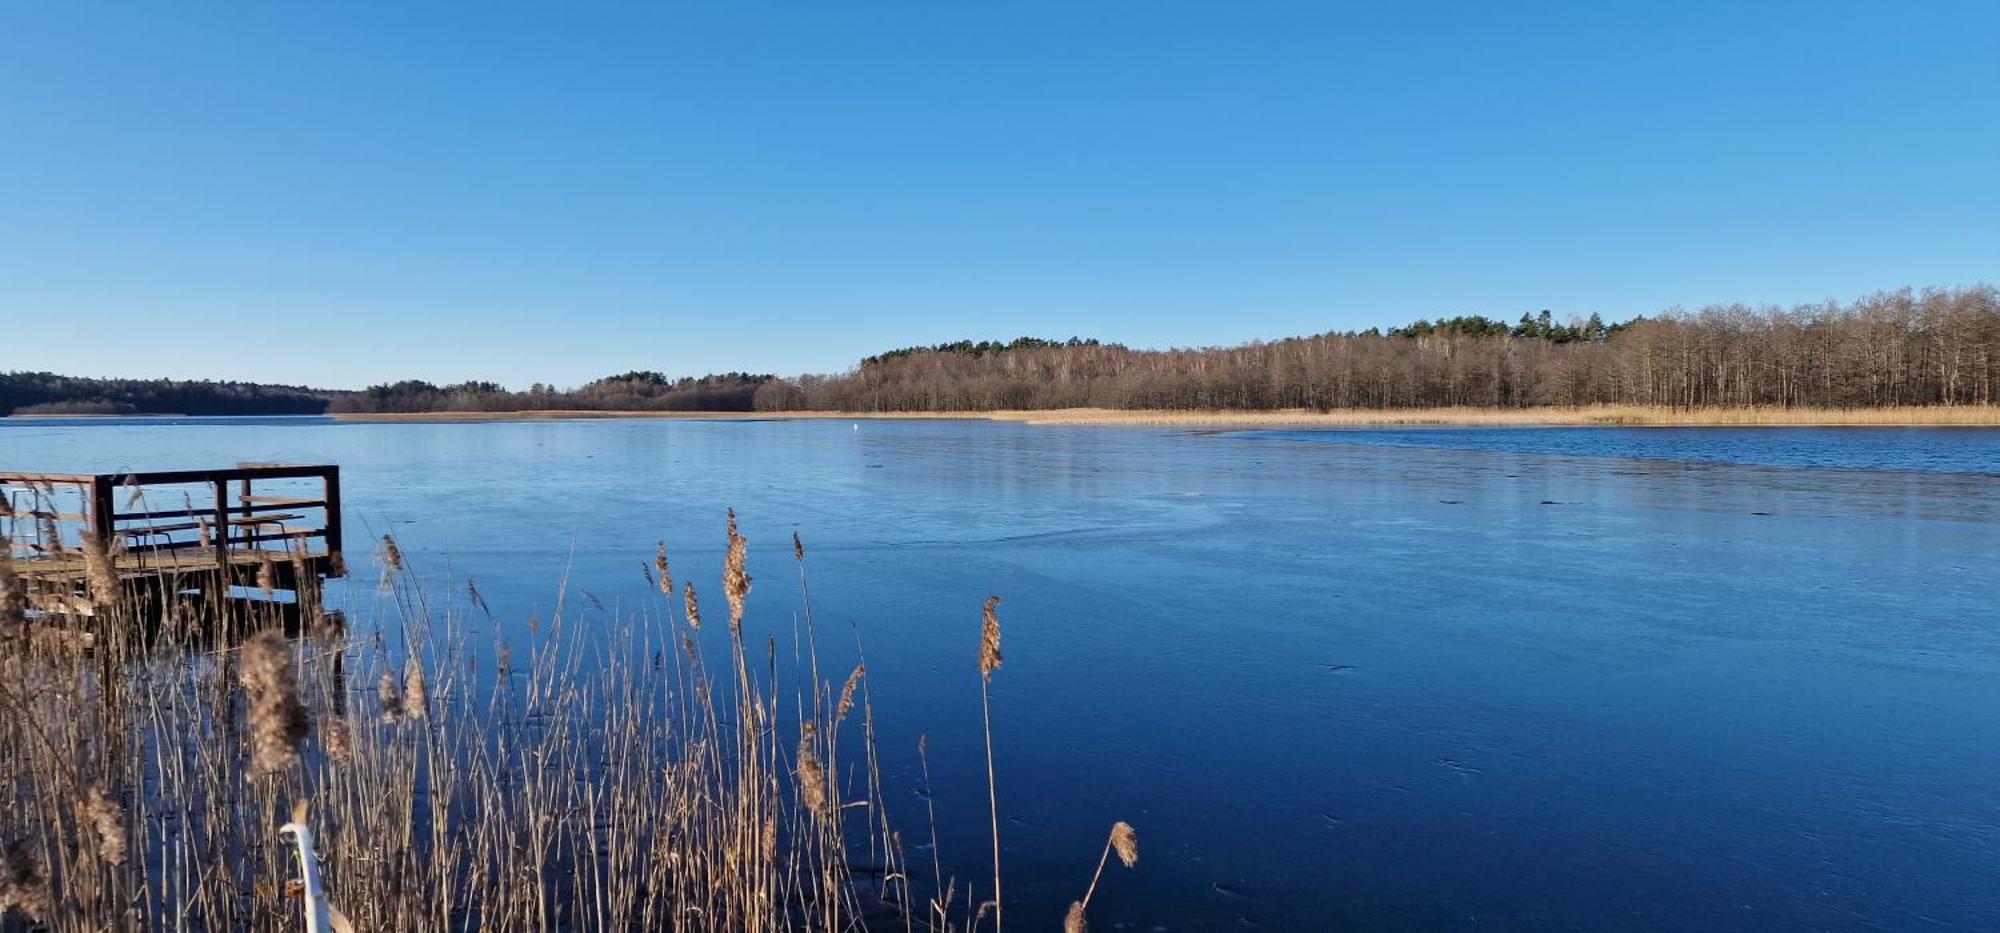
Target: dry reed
[(812, 777), (23, 885), (416, 698), (1074, 921), (610, 784), (989, 638), (1125, 841), (691, 606), (107, 819), (278, 721), (13, 592), (846, 704), (735, 576), (99, 575), (989, 661), (389, 696)]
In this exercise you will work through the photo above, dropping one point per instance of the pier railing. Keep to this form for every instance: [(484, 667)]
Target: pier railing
[(176, 518)]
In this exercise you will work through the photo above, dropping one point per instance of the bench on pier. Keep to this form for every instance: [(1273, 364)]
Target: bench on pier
[(180, 532)]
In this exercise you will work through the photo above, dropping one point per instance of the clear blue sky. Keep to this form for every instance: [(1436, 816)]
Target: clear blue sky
[(338, 194)]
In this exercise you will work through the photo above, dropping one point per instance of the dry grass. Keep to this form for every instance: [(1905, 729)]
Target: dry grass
[(614, 781), (1125, 841), (1629, 415)]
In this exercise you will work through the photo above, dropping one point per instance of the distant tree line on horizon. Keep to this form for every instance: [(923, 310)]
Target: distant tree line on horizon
[(1930, 347), (38, 393), (1934, 347), (639, 390)]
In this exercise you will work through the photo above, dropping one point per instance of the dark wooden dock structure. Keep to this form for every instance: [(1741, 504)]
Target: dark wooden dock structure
[(186, 538)]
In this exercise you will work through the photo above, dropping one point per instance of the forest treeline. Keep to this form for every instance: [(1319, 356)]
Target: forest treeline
[(1930, 347), (1934, 347), (24, 393), (634, 391)]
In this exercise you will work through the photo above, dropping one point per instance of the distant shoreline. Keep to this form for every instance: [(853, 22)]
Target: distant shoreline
[(58, 416), (1601, 415)]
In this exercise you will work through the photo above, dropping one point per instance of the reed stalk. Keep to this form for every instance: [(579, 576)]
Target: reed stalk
[(589, 771)]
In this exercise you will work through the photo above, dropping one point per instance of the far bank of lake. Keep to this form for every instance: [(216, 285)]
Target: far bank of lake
[(1615, 415)]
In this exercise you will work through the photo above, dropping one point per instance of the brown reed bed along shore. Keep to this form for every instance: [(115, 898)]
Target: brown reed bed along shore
[(615, 779), (1605, 415)]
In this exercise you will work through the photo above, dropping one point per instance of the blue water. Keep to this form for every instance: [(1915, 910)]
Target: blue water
[(1589, 679), (1930, 450)]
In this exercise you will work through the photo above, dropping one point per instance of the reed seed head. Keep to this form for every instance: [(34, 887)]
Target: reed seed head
[(692, 605), (798, 547), (278, 722), (106, 818), (416, 699), (23, 886), (336, 735), (392, 556), (735, 579), (846, 704), (1073, 922), (99, 570), (267, 575), (13, 591), (1125, 841), (389, 690), (812, 776), (666, 572), (989, 639)]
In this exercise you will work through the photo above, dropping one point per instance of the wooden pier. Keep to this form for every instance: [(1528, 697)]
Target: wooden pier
[(189, 538)]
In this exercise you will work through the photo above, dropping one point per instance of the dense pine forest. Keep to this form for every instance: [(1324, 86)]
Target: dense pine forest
[(1934, 347)]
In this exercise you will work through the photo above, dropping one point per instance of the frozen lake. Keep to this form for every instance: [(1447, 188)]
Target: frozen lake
[(1593, 678)]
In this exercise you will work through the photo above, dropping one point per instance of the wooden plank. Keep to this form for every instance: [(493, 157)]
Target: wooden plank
[(150, 562), (252, 521), (303, 535), (275, 505), (58, 516), (101, 511), (221, 529), (177, 477), (240, 522), (66, 479), (330, 494), (189, 477)]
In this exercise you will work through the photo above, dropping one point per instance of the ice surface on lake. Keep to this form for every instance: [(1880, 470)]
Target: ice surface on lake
[(1496, 678)]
